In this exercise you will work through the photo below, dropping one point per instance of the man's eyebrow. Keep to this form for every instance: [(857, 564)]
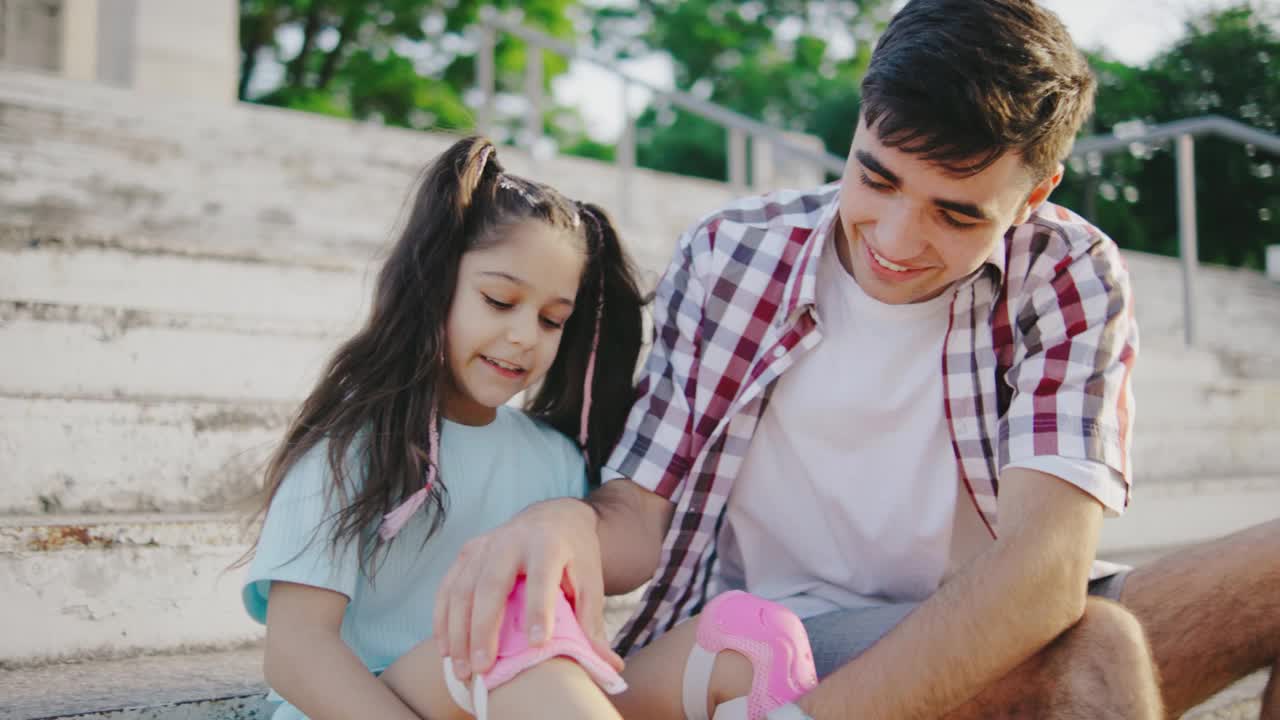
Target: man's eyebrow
[(518, 281), (968, 209), (963, 208), (870, 162)]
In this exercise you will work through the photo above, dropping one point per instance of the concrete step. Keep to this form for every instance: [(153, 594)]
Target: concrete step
[(101, 162), (114, 456), (254, 291), (95, 453), (72, 352), (1173, 454), (1195, 401), (1174, 514), (94, 587), (189, 686), (228, 686), (88, 586), (106, 585)]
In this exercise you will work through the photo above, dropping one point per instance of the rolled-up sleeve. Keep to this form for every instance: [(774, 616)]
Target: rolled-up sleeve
[(1075, 346)]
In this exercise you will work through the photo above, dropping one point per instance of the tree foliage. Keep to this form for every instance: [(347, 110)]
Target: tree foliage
[(1227, 63), (404, 62), (791, 63)]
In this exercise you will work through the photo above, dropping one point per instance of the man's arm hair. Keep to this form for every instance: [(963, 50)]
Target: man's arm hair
[(1002, 609), (631, 523)]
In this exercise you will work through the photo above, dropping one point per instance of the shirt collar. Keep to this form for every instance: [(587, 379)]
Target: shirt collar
[(801, 290)]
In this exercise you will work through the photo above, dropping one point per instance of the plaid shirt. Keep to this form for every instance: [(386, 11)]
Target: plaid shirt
[(1036, 362)]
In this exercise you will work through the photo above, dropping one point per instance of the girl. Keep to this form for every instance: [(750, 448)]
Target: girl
[(406, 449)]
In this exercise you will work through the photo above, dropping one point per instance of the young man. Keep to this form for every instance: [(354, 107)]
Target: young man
[(900, 405)]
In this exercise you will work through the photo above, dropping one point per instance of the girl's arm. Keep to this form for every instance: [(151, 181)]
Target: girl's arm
[(310, 666)]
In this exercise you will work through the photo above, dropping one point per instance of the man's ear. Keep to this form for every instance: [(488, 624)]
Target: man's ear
[(1039, 194)]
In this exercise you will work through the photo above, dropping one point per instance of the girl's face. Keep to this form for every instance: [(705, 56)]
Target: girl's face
[(509, 309)]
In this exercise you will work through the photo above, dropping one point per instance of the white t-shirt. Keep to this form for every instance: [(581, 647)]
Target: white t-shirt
[(849, 493)]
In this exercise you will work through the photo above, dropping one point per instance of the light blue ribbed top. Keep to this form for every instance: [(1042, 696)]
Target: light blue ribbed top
[(491, 472)]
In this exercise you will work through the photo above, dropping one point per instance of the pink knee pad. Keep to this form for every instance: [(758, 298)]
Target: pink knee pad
[(515, 654), (769, 635)]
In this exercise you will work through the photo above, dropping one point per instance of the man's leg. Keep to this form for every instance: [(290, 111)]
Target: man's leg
[(1099, 668), (1212, 614)]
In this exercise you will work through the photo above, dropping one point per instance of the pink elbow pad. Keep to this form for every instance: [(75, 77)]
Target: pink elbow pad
[(766, 633), (515, 654)]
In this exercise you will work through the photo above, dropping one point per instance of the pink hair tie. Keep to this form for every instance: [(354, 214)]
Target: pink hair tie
[(393, 521), (595, 344)]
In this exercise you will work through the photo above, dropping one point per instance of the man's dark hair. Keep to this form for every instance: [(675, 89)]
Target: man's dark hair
[(961, 82)]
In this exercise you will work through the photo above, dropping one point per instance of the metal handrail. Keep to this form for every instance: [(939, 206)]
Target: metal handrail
[(742, 129), (1183, 133), (1205, 125)]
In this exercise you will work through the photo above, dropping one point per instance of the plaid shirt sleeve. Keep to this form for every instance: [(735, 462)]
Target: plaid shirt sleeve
[(657, 445), (1075, 343)]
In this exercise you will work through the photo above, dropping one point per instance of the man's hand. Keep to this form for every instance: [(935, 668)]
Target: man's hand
[(555, 546)]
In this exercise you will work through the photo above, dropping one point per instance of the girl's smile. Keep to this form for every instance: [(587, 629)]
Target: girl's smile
[(508, 314)]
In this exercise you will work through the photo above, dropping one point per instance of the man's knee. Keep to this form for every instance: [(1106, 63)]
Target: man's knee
[(1113, 629), (1106, 666)]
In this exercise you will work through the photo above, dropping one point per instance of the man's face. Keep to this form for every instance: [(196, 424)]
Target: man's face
[(910, 228)]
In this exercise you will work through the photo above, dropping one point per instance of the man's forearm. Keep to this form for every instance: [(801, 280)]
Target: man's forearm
[(631, 524), (998, 613), (1009, 603)]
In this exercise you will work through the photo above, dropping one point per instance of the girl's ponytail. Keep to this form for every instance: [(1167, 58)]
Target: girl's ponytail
[(589, 389)]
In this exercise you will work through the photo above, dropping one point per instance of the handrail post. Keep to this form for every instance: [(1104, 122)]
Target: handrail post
[(532, 93), (626, 155), (1187, 245), (738, 160), (486, 78)]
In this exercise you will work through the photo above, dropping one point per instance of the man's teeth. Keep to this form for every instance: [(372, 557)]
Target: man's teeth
[(885, 263)]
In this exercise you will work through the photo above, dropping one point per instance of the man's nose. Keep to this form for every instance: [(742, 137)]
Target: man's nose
[(899, 235)]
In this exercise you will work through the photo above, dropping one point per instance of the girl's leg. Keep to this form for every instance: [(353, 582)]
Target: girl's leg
[(744, 656), (655, 677), (557, 688)]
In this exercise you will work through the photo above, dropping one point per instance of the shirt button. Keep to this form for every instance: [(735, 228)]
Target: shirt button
[(779, 351)]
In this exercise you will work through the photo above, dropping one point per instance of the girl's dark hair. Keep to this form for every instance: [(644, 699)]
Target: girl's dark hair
[(375, 400), (961, 82)]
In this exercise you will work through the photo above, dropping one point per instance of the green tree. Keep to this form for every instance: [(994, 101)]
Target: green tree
[(1228, 63), (791, 63), (401, 61)]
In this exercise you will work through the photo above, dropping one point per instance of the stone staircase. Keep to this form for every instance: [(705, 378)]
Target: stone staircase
[(172, 276)]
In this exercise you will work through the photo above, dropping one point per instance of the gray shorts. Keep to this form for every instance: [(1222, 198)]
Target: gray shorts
[(842, 635)]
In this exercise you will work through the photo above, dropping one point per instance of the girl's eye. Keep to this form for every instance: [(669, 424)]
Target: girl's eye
[(877, 186), (498, 303), (552, 324)]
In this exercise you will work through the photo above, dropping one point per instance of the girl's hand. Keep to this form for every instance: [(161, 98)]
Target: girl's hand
[(555, 546)]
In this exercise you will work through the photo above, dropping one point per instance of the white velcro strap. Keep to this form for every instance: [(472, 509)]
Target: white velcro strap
[(697, 681), (474, 702), (480, 697), (457, 691)]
